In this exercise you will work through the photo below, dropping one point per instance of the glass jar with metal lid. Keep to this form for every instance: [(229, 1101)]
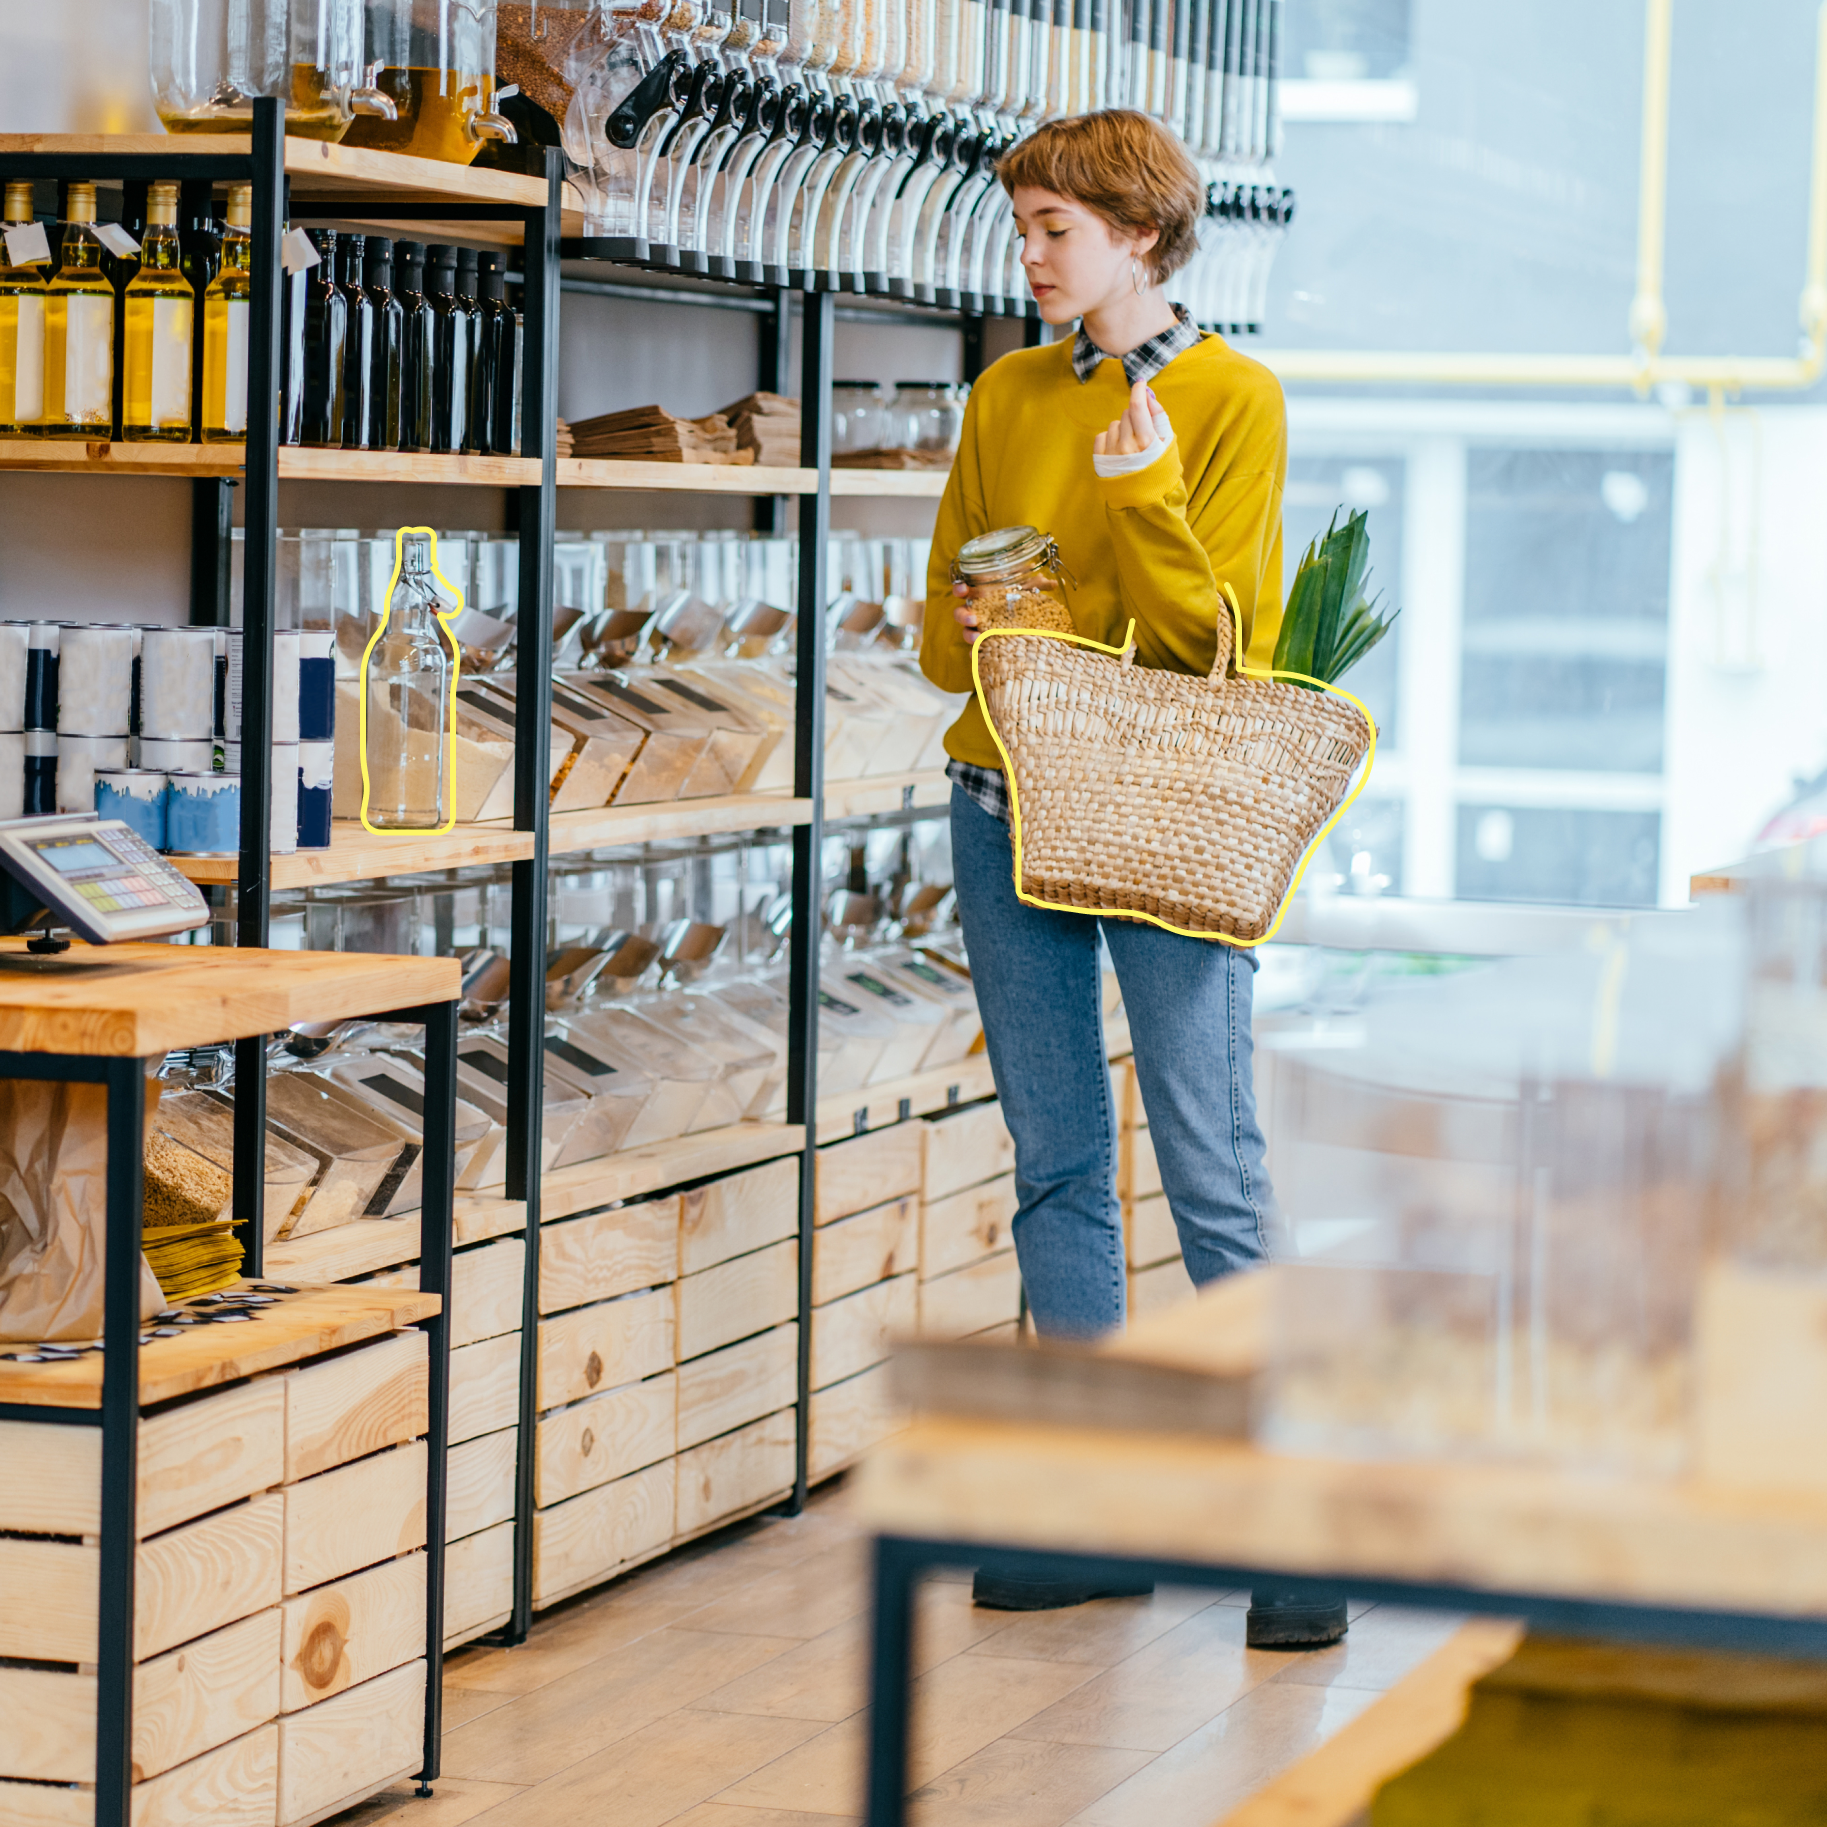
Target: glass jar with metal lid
[(1016, 579)]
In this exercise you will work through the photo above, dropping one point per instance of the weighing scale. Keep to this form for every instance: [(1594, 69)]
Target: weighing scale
[(97, 876)]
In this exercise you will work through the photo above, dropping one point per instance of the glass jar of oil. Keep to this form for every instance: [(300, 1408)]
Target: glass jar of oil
[(22, 296), (211, 59), (160, 320), (434, 62)]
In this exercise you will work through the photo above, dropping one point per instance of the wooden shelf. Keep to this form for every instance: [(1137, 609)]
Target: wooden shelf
[(359, 855), (847, 1113), (906, 484), (887, 793), (297, 463), (685, 478), (574, 831), (645, 1170), (130, 1001), (366, 1245), (302, 1325)]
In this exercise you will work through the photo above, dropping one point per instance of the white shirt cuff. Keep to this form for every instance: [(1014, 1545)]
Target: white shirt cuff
[(1128, 465)]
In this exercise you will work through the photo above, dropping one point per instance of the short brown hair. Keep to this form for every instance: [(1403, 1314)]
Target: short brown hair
[(1122, 166)]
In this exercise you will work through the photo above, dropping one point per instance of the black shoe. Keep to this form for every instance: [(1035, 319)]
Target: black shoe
[(1009, 1592), (1281, 1620)]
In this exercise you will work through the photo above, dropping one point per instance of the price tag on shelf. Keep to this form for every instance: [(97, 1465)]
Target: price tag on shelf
[(296, 254), (26, 244), (116, 240)]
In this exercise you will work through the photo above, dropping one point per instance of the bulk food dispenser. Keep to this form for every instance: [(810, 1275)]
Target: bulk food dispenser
[(211, 60), (434, 62)]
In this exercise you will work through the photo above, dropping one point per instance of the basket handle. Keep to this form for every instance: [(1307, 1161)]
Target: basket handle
[(1230, 636)]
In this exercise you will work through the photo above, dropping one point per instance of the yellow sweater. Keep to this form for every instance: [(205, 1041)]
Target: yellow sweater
[(1154, 545)]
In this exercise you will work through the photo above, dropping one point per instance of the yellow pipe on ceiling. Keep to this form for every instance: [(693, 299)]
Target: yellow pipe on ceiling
[(1647, 367)]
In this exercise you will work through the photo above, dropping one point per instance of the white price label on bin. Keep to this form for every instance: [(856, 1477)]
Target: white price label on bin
[(27, 245), (296, 254)]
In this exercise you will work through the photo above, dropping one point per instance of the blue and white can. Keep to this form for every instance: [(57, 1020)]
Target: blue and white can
[(316, 685), (137, 797), (12, 774), (15, 639), (285, 684), (282, 834), (95, 679), (316, 791), (177, 754), (39, 773), (203, 815), (42, 640)]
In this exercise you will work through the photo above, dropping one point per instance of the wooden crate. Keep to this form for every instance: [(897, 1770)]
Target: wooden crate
[(1165, 1285), (851, 1253), (1149, 1233), (733, 1474), (479, 1486), (478, 1583), (971, 1300), (487, 1290), (849, 1418), (347, 1632), (604, 1254), (963, 1228), (868, 1170), (746, 1295), (604, 1346), (185, 1702), (604, 1437), (739, 1384), (861, 1329), (737, 1214), (340, 1751), (346, 1407), (581, 1542), (484, 1387), (354, 1516), (195, 1456), (235, 1785), (963, 1148)]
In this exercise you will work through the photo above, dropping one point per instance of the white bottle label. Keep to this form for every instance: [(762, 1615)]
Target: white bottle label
[(171, 322), (234, 391), (88, 361), (28, 362)]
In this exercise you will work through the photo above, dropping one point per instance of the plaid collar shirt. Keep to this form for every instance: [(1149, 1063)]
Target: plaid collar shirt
[(986, 786)]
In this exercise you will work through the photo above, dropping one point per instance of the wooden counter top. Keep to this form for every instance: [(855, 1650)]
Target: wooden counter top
[(135, 1000)]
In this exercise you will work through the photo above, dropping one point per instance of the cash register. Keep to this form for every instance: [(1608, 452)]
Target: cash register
[(96, 876)]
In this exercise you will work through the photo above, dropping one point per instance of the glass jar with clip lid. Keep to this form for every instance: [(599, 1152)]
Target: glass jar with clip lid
[(1016, 579)]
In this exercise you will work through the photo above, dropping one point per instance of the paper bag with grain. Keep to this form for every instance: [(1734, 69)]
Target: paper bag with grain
[(53, 1212)]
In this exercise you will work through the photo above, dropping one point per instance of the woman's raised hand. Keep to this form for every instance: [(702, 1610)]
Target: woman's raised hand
[(1134, 431)]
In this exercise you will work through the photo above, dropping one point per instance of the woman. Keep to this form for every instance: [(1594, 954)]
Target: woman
[(1156, 457)]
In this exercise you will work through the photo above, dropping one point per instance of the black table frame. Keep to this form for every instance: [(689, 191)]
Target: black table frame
[(124, 1081), (899, 1562)]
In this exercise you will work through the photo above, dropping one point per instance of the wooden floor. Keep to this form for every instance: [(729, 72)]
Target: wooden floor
[(723, 1687)]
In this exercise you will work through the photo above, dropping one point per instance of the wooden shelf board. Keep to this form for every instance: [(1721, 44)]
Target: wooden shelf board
[(302, 1325), (133, 1000), (1496, 1528), (366, 1245), (886, 793), (573, 831), (316, 167), (1335, 1785), (908, 484), (635, 1171), (297, 463), (692, 478), (848, 1113), (359, 855)]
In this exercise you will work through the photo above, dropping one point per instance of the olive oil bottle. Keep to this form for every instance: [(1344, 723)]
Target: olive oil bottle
[(389, 321), (326, 338), (79, 331), (161, 321), (418, 349), (22, 296), (358, 352), (227, 309)]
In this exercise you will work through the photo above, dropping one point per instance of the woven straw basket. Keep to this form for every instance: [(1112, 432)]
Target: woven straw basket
[(1183, 800)]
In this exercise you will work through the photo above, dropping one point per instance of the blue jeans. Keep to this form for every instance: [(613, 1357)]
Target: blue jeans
[(1038, 981)]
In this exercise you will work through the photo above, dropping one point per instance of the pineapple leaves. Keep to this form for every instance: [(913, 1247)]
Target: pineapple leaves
[(1330, 624)]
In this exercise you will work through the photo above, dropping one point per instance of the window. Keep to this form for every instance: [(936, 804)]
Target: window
[(1592, 859), (1566, 609), (1347, 60)]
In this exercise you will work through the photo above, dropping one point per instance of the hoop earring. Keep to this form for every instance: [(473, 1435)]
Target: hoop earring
[(1135, 278)]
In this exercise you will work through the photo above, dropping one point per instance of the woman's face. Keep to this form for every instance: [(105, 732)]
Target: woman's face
[(1074, 260)]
